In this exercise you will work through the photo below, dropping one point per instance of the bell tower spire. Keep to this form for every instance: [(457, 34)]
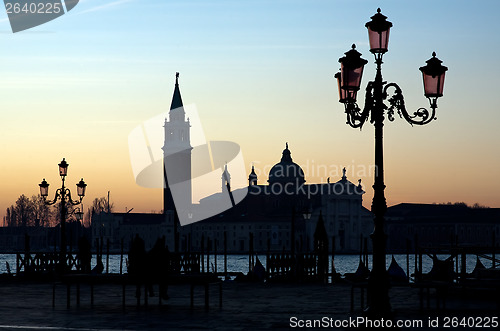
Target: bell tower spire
[(252, 178), (176, 97), (226, 179)]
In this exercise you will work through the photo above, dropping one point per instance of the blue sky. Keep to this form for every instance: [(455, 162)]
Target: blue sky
[(260, 74)]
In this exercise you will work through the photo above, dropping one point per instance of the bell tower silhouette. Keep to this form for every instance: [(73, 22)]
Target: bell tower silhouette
[(177, 155), (226, 179)]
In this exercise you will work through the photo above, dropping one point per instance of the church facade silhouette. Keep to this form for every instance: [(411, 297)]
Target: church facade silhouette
[(269, 212)]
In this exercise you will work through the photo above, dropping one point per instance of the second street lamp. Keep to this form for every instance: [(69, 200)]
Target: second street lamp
[(349, 80), (64, 194)]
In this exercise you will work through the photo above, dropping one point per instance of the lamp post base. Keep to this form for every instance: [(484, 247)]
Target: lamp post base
[(378, 296), (378, 282)]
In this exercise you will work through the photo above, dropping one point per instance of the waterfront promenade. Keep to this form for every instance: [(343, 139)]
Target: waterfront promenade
[(246, 306)]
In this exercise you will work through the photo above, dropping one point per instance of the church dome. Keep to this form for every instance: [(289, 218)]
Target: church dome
[(286, 171)]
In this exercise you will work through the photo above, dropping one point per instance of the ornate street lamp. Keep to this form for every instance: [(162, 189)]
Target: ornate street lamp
[(64, 195), (63, 168), (78, 214), (349, 80), (433, 75), (351, 66), (80, 189), (378, 33)]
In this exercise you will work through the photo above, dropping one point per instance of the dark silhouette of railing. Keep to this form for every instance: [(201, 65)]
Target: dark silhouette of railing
[(188, 263), (43, 262), (298, 267)]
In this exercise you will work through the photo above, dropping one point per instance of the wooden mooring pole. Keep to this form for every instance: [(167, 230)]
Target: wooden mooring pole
[(208, 254), (215, 254), (493, 246), (408, 258), (121, 256), (250, 252), (225, 253), (333, 258), (107, 255), (202, 253)]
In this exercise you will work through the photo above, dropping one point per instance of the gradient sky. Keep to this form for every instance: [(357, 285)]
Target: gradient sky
[(260, 74)]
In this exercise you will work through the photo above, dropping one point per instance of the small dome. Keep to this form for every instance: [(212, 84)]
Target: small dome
[(286, 171)]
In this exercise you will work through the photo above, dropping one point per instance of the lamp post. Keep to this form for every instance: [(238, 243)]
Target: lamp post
[(349, 79), (64, 194), (306, 213), (77, 221)]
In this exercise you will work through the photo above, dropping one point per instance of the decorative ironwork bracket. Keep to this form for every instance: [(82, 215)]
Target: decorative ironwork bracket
[(357, 117)]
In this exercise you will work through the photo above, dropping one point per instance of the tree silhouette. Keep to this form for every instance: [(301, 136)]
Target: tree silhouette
[(100, 205), (43, 213), (28, 212)]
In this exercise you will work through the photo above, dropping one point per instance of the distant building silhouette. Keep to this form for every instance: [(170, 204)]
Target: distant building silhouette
[(440, 225), (269, 216), (114, 227)]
